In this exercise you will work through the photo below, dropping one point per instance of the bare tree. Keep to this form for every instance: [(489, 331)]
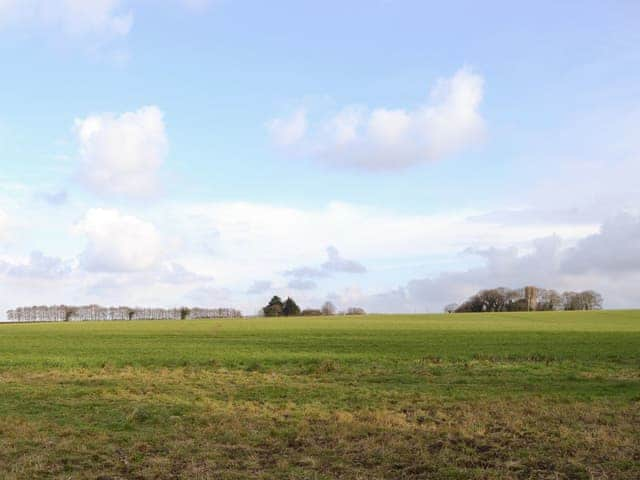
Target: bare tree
[(328, 308), (63, 313), (355, 311), (587, 300), (549, 300)]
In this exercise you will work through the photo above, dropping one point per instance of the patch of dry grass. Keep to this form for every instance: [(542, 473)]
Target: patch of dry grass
[(191, 423)]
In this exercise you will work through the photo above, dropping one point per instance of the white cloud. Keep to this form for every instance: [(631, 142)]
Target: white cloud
[(286, 132), (122, 154), (614, 249), (384, 139), (73, 18), (118, 243)]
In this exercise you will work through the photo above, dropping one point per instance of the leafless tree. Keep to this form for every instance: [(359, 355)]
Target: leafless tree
[(63, 313), (587, 300), (549, 300), (355, 311), (328, 308)]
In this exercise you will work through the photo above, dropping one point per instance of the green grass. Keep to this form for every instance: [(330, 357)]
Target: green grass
[(522, 395)]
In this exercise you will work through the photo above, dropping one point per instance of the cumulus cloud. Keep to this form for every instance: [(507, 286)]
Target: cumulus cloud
[(118, 243), (73, 18), (386, 139), (121, 154)]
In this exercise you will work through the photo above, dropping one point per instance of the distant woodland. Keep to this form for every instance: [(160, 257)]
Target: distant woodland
[(527, 299)]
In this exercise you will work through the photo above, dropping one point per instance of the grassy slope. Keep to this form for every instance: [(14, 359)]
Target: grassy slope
[(541, 395)]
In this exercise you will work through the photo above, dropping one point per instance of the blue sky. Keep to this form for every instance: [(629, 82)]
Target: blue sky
[(403, 153)]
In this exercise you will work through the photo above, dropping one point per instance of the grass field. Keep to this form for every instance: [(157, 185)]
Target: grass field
[(526, 395)]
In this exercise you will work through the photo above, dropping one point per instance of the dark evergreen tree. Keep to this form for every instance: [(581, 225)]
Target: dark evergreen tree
[(275, 308), (291, 308)]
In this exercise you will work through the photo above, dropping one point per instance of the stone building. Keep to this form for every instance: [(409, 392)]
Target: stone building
[(531, 296)]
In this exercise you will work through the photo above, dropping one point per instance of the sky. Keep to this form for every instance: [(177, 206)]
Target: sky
[(387, 154)]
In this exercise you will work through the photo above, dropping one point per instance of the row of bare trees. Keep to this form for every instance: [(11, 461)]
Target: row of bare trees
[(527, 299), (329, 308), (65, 313)]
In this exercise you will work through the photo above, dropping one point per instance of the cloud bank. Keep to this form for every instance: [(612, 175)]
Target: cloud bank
[(151, 259), (607, 261)]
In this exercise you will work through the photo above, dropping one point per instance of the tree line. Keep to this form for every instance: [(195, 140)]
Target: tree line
[(289, 308), (527, 299), (69, 313)]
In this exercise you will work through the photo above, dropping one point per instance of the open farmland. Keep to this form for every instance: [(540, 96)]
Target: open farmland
[(526, 395)]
